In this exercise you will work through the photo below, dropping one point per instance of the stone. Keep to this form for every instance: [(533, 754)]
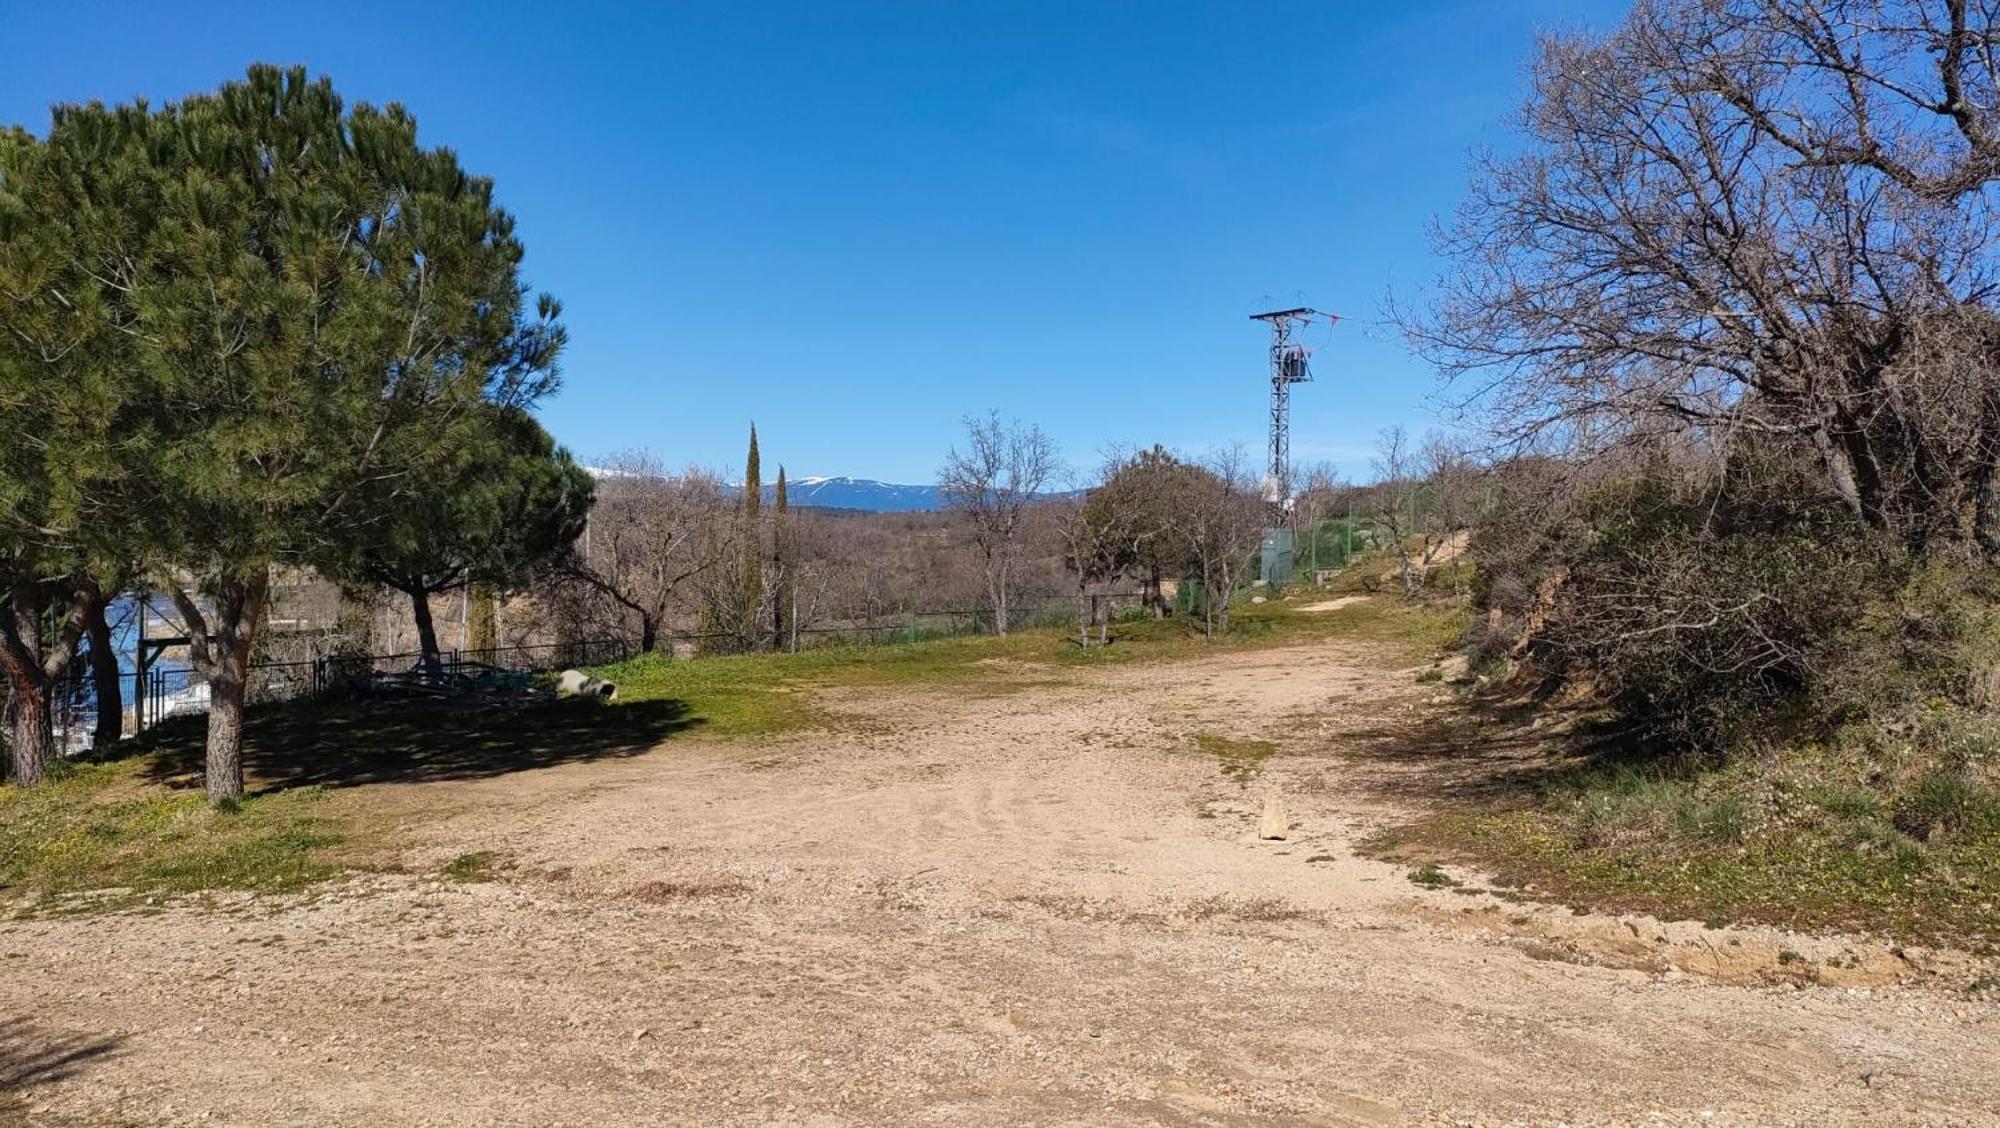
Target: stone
[(576, 683), (1275, 824)]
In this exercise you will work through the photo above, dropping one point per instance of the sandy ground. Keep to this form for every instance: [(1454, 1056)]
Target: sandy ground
[(1038, 907)]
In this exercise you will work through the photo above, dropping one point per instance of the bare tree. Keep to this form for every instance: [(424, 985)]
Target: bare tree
[(1768, 221), (1218, 515), (1099, 527), (650, 533), (1428, 501), (991, 485)]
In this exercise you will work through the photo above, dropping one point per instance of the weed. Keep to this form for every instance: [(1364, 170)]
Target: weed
[(479, 865), (1846, 802), (1627, 806), (1429, 876), (1945, 802)]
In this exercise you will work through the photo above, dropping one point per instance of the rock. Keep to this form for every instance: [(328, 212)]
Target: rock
[(1275, 824)]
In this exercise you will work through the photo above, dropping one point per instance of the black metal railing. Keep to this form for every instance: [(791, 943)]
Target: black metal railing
[(170, 689)]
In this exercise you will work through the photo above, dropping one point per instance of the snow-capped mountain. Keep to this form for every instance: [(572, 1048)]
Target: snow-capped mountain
[(830, 493), (858, 493)]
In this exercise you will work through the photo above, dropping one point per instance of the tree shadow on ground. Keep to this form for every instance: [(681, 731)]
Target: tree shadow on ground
[(375, 741), (1491, 753), (33, 1055)]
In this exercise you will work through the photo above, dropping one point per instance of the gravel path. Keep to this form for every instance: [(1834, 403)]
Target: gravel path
[(1039, 907)]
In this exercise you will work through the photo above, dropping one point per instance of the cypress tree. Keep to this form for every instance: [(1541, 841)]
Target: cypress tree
[(483, 632), (753, 546), (781, 559)]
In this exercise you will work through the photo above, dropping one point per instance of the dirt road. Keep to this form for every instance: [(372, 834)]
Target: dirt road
[(1047, 906)]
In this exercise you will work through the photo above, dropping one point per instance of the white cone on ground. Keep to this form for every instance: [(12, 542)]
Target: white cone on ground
[(1275, 822)]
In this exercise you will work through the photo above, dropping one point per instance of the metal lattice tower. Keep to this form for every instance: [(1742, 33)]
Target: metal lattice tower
[(1288, 367)]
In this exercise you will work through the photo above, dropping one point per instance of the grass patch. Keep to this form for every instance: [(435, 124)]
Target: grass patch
[(1430, 876), (763, 694), (1240, 760), (102, 826), (478, 865), (1785, 841)]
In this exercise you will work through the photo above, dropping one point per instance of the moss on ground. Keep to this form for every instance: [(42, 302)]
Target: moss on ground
[(1240, 760)]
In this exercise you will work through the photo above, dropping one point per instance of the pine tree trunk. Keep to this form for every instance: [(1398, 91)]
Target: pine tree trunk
[(32, 733), (221, 649), (427, 639), (109, 686), (227, 690)]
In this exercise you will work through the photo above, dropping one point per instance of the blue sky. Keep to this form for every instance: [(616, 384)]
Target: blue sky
[(858, 223)]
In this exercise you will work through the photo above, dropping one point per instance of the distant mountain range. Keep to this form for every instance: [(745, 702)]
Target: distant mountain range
[(859, 493), (865, 494)]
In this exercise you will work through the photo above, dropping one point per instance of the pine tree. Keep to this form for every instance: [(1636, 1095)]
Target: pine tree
[(505, 501), (66, 378), (314, 298), (752, 579)]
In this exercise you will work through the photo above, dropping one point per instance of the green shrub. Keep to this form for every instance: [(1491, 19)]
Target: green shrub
[(1945, 802), (1846, 802), (1429, 876), (1629, 806)]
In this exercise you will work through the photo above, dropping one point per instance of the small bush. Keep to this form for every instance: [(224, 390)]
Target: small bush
[(1846, 802), (1721, 820), (1429, 876), (1629, 806), (1945, 802), (479, 865)]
